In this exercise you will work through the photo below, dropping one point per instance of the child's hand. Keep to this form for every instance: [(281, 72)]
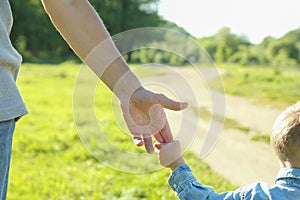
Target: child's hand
[(170, 154)]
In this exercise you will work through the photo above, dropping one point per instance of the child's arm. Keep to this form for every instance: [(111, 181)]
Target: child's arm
[(182, 181), (187, 187)]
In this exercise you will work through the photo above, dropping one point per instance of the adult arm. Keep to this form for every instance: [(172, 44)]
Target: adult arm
[(86, 34)]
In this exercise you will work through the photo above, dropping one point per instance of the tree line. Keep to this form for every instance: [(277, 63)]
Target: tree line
[(35, 37), (225, 46)]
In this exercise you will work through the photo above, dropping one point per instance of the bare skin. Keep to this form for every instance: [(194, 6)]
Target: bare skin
[(67, 16)]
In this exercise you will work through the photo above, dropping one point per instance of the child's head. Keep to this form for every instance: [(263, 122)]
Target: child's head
[(285, 138)]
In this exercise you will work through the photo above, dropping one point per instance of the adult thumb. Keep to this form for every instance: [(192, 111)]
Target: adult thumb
[(171, 104)]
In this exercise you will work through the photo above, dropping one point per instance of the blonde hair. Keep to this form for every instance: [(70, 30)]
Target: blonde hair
[(285, 138)]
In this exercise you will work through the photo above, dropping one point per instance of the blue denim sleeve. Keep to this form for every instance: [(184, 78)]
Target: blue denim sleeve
[(187, 187)]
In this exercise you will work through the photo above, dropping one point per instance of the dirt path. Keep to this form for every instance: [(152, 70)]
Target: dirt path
[(235, 156)]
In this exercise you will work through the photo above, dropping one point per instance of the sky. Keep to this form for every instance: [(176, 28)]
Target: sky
[(254, 18)]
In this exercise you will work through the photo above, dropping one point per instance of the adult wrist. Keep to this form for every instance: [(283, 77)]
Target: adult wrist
[(108, 64), (127, 85)]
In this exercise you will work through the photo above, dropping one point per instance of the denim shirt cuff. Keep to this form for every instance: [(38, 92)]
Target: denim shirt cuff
[(180, 177)]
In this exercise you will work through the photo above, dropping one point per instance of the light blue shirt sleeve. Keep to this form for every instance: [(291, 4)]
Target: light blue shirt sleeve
[(187, 187)]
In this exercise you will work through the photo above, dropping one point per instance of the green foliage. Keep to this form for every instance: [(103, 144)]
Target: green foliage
[(35, 37), (174, 47), (262, 138), (127, 14), (244, 56), (283, 52), (267, 84), (50, 161), (225, 46), (33, 34), (228, 45), (260, 50)]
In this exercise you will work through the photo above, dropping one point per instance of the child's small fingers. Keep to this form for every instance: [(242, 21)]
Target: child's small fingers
[(159, 145)]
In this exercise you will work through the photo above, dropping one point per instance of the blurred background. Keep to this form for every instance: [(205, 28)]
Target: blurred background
[(244, 32), (255, 46)]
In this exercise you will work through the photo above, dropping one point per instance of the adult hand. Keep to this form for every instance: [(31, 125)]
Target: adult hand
[(144, 115)]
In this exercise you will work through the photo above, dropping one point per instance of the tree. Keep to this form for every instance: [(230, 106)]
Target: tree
[(224, 44), (283, 52), (35, 37)]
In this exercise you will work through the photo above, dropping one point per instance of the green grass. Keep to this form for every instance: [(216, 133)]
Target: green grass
[(261, 137), (275, 86), (268, 85), (50, 161)]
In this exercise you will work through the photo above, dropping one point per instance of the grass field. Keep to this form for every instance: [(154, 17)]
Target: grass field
[(50, 161), (268, 85)]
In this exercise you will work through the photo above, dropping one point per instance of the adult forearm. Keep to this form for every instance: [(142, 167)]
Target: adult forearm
[(85, 32)]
